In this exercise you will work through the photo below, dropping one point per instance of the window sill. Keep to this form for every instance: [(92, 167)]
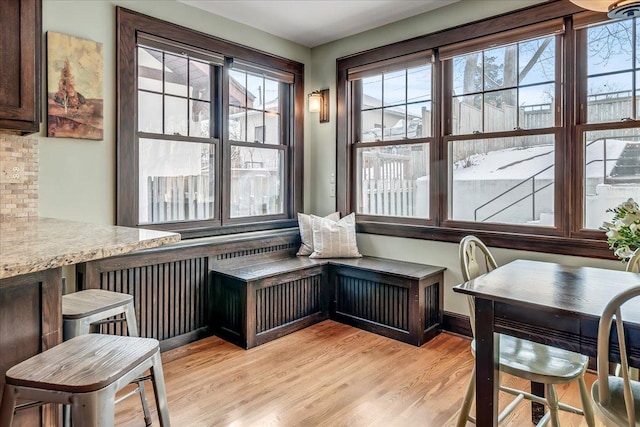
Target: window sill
[(520, 241)]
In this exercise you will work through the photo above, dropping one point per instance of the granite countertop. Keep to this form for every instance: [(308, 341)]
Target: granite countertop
[(28, 245)]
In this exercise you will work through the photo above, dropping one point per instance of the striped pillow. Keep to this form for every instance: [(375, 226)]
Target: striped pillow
[(334, 239), (306, 234)]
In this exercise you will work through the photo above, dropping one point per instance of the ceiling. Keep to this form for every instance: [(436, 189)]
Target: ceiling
[(315, 22)]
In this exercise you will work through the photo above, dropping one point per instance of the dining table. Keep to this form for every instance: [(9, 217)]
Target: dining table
[(549, 303)]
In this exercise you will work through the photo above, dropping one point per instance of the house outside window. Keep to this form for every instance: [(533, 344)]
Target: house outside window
[(533, 130), (208, 139)]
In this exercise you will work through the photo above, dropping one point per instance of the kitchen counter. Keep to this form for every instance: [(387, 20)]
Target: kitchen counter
[(29, 245)]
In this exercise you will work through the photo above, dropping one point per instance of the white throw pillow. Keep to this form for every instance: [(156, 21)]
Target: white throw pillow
[(306, 233), (334, 239)]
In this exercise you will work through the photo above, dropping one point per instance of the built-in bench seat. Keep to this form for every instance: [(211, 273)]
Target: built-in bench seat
[(251, 288), (256, 303)]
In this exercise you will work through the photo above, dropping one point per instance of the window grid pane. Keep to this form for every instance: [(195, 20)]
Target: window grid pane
[(176, 181), (186, 84), (254, 108), (257, 181), (396, 105), (612, 172), (394, 181), (504, 88), (503, 180), (612, 64)]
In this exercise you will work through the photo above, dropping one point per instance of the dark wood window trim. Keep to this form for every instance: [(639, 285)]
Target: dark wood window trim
[(129, 24), (566, 237)]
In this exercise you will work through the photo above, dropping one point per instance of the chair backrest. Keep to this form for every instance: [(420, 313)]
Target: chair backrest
[(472, 267), (604, 331), (634, 262)]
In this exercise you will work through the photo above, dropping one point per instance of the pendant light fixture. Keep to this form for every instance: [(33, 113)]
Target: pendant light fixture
[(615, 9)]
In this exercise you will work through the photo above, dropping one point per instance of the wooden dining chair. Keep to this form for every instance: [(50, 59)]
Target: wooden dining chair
[(523, 358), (633, 264), (616, 399)]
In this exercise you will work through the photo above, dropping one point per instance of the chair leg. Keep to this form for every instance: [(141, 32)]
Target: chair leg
[(468, 400), (587, 406), (7, 406), (160, 391), (552, 401)]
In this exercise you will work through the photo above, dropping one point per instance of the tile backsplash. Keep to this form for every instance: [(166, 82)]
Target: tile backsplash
[(18, 176)]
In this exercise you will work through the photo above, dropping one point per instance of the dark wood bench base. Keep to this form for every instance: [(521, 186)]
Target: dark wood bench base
[(256, 303)]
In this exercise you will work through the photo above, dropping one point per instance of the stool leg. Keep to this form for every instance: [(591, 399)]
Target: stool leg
[(157, 376), (132, 323), (7, 406), (132, 329), (145, 404), (94, 409), (66, 415)]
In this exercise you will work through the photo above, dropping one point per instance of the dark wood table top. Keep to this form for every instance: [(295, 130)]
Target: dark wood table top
[(553, 287)]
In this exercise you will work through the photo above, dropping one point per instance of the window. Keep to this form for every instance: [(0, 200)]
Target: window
[(256, 107), (176, 147), (208, 141), (502, 129), (609, 109), (393, 136), (527, 134)]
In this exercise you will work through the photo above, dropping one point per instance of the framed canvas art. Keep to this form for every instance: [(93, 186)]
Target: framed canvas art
[(74, 87)]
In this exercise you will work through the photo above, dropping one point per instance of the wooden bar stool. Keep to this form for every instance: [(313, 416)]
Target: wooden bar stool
[(85, 372), (84, 311)]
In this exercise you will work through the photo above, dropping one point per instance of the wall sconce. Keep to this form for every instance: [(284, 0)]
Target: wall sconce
[(319, 103), (615, 9)]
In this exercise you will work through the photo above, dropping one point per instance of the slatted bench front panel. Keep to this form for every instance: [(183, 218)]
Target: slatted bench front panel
[(287, 302), (373, 301)]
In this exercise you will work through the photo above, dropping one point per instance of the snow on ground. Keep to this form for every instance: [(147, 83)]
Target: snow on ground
[(521, 163)]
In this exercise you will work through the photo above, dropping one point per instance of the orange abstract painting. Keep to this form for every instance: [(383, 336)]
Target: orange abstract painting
[(74, 87)]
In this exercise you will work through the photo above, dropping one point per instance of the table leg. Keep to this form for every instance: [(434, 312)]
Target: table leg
[(486, 374), (537, 409)]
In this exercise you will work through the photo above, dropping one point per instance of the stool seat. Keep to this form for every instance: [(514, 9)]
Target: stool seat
[(89, 302), (85, 373), (83, 364)]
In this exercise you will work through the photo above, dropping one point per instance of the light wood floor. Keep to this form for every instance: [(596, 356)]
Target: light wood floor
[(329, 374)]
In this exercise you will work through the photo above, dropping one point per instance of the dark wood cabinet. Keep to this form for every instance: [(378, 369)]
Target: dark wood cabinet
[(30, 322), (20, 65)]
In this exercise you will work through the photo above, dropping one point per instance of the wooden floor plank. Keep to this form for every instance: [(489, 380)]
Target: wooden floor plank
[(329, 374)]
